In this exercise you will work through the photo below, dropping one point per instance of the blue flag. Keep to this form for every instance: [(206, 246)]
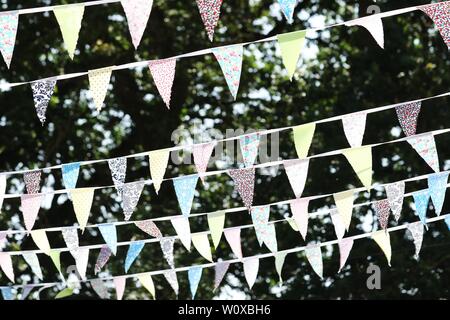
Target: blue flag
[(194, 275), (70, 174), (437, 184), (109, 233), (185, 190), (133, 252), (288, 6), (421, 199), (7, 293)]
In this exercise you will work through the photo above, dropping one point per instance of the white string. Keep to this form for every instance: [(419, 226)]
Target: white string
[(51, 8)]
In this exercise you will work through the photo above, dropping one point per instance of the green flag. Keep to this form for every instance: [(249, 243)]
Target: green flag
[(69, 20), (303, 137), (291, 45), (216, 223), (361, 161)]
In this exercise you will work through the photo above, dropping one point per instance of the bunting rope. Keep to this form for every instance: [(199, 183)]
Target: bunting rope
[(51, 8)]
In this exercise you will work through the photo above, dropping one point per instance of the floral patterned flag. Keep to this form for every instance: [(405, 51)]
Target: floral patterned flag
[(163, 73), (8, 31), (361, 161), (42, 93), (32, 181), (382, 210), (171, 277), (185, 191), (426, 148), (133, 252), (407, 116), (131, 192), (210, 13), (299, 208), (251, 267), (437, 185), (249, 148), (416, 230), (202, 153), (395, 194), (440, 14), (6, 265), (230, 61), (183, 230), (265, 231), (314, 256), (69, 19), (383, 239), (102, 259), (70, 236), (118, 167), (137, 12), (70, 174), (287, 7), (354, 127), (421, 200), (220, 269), (202, 245), (345, 246), (82, 202), (374, 25), (149, 227), (233, 237), (158, 163), (100, 288), (194, 275), (120, 283), (99, 81), (109, 234), (167, 250), (31, 203), (244, 183), (297, 172), (339, 226)]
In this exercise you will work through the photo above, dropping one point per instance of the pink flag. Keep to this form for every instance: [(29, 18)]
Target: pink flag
[(440, 13), (210, 12), (163, 73), (233, 237), (31, 204), (202, 153), (137, 12), (299, 208), (119, 283), (6, 265), (407, 116), (382, 209), (244, 182), (345, 246), (297, 172)]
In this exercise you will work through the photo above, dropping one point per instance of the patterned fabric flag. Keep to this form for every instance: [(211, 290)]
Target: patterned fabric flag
[(233, 237), (194, 275), (291, 45), (42, 93), (440, 14), (314, 256), (6, 265), (220, 269), (120, 283), (210, 13), (361, 161), (288, 7), (374, 25), (149, 227), (100, 288), (70, 236), (244, 183), (109, 234), (32, 181), (299, 209), (344, 204), (8, 31), (382, 210), (40, 239), (163, 73), (216, 222), (7, 293), (395, 194), (167, 250), (99, 81), (69, 19), (407, 116), (70, 174), (354, 127), (171, 277), (345, 246), (183, 230), (82, 203), (102, 259), (26, 291), (297, 172), (133, 252), (3, 183), (447, 221), (303, 136), (158, 163), (251, 267), (201, 243), (202, 153), (118, 167), (131, 192), (249, 148), (339, 226), (185, 191), (426, 148), (147, 282), (31, 203), (416, 230), (137, 12), (437, 186), (230, 61), (265, 232), (280, 257), (383, 239), (421, 200), (81, 261)]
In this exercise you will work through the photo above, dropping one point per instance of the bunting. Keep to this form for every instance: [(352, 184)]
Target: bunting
[(69, 19), (210, 13), (201, 243), (202, 153), (109, 234), (314, 256), (288, 7), (344, 204), (421, 200), (133, 252), (416, 231), (40, 239), (382, 211), (303, 136), (426, 148), (118, 167), (339, 226), (447, 221), (8, 32), (167, 250), (70, 236), (251, 267), (163, 74), (31, 203), (149, 227), (56, 259), (216, 222), (147, 282), (81, 261), (7, 293), (265, 232), (6, 265), (99, 287), (354, 127), (82, 202), (437, 186), (102, 259), (99, 81), (407, 116), (42, 93), (230, 61), (345, 246), (3, 183), (194, 276), (131, 192), (361, 161), (137, 13), (70, 174), (244, 183), (291, 45), (383, 239), (249, 148), (297, 172), (185, 191), (171, 277), (440, 14), (299, 208), (280, 257), (395, 194), (183, 229), (120, 283), (233, 237), (374, 25), (220, 269), (158, 163), (32, 181)]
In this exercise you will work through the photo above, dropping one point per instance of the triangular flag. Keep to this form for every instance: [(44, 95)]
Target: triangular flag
[(395, 194), (280, 257), (56, 259), (345, 246), (382, 210), (102, 259), (201, 243), (147, 282), (249, 148), (426, 148), (299, 209), (82, 203), (202, 153), (131, 192), (120, 283), (416, 230), (344, 204), (361, 161), (70, 174), (8, 22), (185, 191), (407, 116), (100, 288), (158, 163), (354, 127), (171, 277), (98, 85), (265, 232), (287, 7), (42, 93), (31, 203), (251, 267), (118, 167), (373, 24), (3, 183), (81, 261), (69, 19), (210, 13), (440, 14), (314, 256), (67, 292), (163, 73), (149, 227), (244, 183), (233, 237), (137, 12), (70, 236), (303, 136), (6, 265), (291, 45), (183, 229), (339, 226), (220, 269), (7, 293), (194, 275), (32, 181), (26, 291), (40, 239), (437, 186), (109, 233), (383, 239), (167, 250), (297, 172), (230, 61), (447, 221), (133, 252), (216, 222), (421, 200)]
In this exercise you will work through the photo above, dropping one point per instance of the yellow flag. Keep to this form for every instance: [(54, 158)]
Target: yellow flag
[(303, 135), (98, 83), (41, 240), (291, 45), (158, 163), (383, 239), (82, 202), (201, 243), (69, 20), (147, 282), (361, 160), (344, 203), (56, 258), (216, 222)]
